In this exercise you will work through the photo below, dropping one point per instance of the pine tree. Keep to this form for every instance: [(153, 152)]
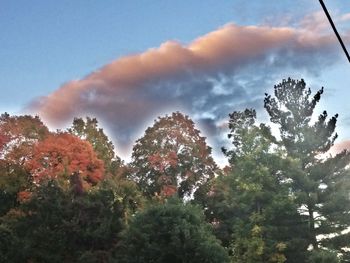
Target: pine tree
[(320, 185), (250, 205)]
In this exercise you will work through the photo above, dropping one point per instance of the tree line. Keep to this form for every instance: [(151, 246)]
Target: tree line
[(65, 196)]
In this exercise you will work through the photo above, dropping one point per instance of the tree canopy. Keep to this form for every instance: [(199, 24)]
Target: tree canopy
[(68, 197), (170, 232), (320, 186), (89, 130), (172, 157), (63, 155)]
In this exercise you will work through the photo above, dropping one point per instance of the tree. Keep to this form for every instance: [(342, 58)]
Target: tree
[(8, 244), (172, 157), (250, 205), (58, 226), (320, 185), (66, 158), (88, 130), (127, 193), (3, 141), (18, 135), (170, 232)]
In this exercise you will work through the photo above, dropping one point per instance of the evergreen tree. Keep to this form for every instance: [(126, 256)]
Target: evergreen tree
[(320, 185), (250, 205)]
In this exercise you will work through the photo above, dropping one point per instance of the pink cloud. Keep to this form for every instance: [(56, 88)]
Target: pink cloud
[(134, 88), (112, 84), (339, 147)]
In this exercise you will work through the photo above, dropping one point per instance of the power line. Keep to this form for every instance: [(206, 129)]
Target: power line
[(334, 29)]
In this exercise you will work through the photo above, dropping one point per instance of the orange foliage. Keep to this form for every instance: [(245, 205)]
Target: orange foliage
[(23, 196), (162, 162), (3, 140), (65, 154), (18, 134), (168, 190), (172, 152)]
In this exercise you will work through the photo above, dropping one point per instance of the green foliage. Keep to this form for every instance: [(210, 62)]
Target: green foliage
[(127, 194), (171, 232), (8, 244), (13, 179), (250, 205), (323, 256), (88, 130), (279, 200), (320, 186), (56, 226)]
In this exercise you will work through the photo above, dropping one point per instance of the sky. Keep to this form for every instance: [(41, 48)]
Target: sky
[(128, 62)]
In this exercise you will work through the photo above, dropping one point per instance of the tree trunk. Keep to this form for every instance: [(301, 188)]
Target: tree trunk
[(312, 232)]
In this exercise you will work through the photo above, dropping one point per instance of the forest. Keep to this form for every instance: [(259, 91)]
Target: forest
[(66, 195)]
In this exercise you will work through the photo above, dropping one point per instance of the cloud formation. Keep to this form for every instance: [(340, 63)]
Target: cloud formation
[(339, 147), (225, 70)]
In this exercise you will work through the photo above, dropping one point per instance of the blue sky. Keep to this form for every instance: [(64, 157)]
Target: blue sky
[(45, 44)]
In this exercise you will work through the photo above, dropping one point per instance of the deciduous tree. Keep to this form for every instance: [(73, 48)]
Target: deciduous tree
[(89, 130), (58, 226), (171, 157), (170, 232), (18, 135), (62, 155)]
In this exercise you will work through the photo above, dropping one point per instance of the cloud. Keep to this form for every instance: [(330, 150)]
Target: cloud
[(316, 22), (339, 147), (225, 70), (345, 17)]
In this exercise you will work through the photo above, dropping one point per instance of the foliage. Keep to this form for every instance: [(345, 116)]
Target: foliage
[(62, 155), (58, 226), (250, 205), (8, 242), (88, 130), (170, 232), (67, 197), (127, 193), (323, 256), (320, 185), (18, 135), (172, 156)]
